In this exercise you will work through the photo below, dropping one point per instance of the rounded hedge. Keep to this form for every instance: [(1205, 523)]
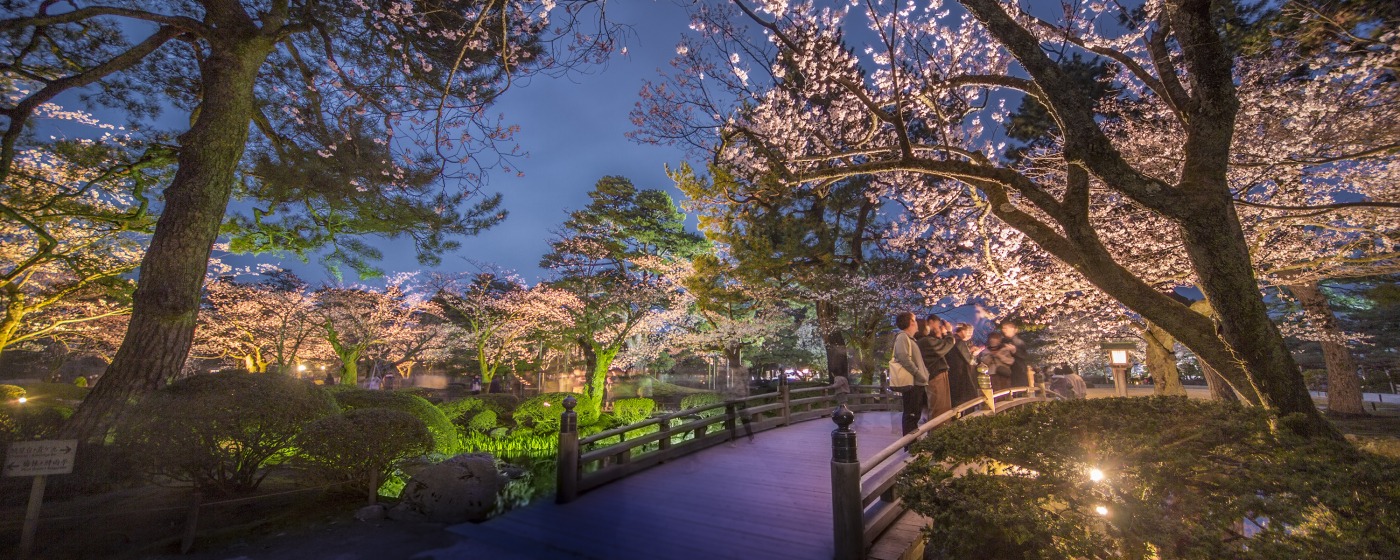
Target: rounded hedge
[(631, 411), (11, 392), (364, 444), (221, 430), (484, 421), (703, 399), (542, 411), (31, 420), (445, 438)]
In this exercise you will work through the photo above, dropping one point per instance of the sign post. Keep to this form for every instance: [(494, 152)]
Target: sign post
[(38, 459)]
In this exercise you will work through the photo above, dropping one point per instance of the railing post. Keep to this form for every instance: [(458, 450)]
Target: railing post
[(566, 473), (729, 423), (787, 405), (665, 434), (847, 517)]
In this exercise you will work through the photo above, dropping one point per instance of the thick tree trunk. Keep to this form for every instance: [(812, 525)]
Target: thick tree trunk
[(1161, 362), (1220, 257), (1343, 385), (1219, 389), (837, 358), (598, 361), (166, 300)]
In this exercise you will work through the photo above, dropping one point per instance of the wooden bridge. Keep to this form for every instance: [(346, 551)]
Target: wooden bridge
[(762, 487)]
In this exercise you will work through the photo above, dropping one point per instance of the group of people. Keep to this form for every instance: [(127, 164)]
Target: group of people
[(939, 364)]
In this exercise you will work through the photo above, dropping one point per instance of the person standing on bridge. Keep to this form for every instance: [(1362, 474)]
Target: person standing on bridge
[(908, 376), (935, 341)]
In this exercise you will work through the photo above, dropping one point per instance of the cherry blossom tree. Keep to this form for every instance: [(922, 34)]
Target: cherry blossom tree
[(500, 317), (265, 325), (924, 106), (76, 213), (336, 119), (396, 323)]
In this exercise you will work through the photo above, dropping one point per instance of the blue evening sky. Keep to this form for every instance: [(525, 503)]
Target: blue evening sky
[(573, 129)]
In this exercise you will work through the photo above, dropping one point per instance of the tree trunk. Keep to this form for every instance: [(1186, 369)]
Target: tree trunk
[(598, 362), (736, 375), (1219, 389), (350, 370), (166, 300), (1343, 385), (837, 359), (1161, 362), (1220, 257)]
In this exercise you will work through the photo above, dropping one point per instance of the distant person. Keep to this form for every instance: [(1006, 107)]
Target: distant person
[(962, 366), (1020, 368), (476, 385), (998, 356), (908, 376), (390, 381), (935, 340), (329, 380), (842, 388), (373, 384)]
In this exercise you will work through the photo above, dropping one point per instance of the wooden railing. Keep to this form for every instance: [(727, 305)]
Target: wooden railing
[(862, 498), (589, 462)]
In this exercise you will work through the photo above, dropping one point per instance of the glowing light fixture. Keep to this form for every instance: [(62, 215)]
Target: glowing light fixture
[(1101, 510), (1096, 475), (23, 400)]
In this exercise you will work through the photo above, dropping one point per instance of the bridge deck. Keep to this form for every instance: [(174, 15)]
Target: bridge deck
[(767, 499)]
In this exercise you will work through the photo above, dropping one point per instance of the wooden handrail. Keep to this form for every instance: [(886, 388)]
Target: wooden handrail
[(581, 469), (862, 506)]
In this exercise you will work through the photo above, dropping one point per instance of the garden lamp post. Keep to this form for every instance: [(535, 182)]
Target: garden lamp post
[(1118, 361)]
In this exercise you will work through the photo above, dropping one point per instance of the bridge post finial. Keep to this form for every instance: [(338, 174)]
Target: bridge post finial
[(843, 439), (566, 466)]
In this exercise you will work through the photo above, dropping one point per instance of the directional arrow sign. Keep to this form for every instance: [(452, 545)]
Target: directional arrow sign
[(33, 458)]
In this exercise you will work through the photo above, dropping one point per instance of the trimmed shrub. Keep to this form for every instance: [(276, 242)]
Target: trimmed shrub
[(10, 393), (445, 437), (631, 411), (1179, 476), (364, 445), (542, 411), (32, 420), (220, 431), (484, 421), (56, 391), (461, 410), (703, 399)]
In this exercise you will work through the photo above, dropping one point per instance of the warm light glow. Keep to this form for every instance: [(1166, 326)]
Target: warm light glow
[(1118, 357), (1101, 510), (1096, 475), (301, 367), (546, 403), (23, 400)]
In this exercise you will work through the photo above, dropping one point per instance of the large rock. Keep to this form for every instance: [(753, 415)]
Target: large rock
[(462, 488)]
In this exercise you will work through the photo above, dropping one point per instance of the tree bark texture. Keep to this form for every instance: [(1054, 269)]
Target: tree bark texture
[(1220, 256), (736, 375), (1161, 362), (837, 358), (166, 300), (1343, 385)]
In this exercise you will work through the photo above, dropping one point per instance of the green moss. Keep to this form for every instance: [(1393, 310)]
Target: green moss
[(58, 391)]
